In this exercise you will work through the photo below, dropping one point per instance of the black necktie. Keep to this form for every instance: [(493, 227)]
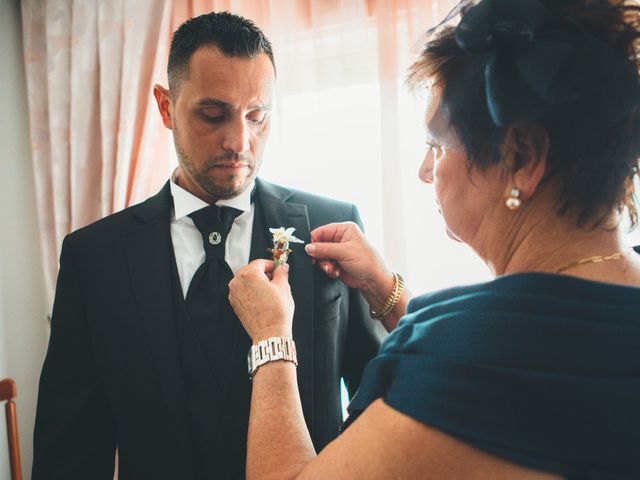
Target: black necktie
[(208, 294)]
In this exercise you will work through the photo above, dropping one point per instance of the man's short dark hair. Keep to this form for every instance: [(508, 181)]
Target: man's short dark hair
[(234, 35)]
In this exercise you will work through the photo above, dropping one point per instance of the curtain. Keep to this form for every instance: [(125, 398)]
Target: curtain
[(96, 143)]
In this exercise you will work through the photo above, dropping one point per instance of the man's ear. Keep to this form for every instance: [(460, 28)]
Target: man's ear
[(163, 99), (524, 152)]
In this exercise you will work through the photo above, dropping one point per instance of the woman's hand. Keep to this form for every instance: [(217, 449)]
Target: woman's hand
[(343, 252), (261, 297)]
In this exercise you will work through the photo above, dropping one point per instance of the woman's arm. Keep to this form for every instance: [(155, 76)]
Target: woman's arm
[(385, 444), (279, 445)]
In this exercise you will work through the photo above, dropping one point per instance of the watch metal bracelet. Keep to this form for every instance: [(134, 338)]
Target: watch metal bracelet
[(271, 350)]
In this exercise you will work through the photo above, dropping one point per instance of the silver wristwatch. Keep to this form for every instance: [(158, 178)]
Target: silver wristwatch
[(270, 350)]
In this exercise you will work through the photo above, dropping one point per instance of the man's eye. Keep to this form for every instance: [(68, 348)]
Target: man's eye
[(210, 119)]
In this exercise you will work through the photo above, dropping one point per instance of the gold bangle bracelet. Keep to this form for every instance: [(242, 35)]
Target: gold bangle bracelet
[(392, 299)]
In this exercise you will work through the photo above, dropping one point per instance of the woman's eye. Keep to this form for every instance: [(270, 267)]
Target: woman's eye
[(437, 149), (257, 118)]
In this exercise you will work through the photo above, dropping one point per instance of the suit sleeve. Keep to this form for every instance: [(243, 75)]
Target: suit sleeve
[(74, 435), (364, 335)]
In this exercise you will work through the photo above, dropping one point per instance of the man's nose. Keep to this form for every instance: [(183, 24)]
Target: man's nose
[(236, 136), (425, 173)]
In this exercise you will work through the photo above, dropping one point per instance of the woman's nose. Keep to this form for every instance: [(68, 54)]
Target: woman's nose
[(425, 173)]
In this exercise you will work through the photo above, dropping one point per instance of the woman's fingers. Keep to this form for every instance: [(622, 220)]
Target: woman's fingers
[(261, 265), (331, 269), (333, 251), (261, 297), (281, 275), (335, 232)]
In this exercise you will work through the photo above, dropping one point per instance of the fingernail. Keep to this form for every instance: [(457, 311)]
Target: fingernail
[(310, 248)]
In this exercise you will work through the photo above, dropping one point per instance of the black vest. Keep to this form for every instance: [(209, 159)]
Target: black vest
[(218, 408)]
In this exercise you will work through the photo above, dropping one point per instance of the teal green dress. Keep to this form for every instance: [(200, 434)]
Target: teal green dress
[(542, 370)]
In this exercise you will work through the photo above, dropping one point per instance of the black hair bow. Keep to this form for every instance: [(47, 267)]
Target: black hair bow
[(538, 62)]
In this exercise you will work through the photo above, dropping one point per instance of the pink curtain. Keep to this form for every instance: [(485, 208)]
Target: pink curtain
[(97, 143)]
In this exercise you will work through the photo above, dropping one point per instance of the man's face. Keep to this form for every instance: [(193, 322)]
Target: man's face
[(220, 121)]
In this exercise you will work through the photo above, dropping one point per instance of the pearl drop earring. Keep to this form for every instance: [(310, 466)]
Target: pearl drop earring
[(513, 202)]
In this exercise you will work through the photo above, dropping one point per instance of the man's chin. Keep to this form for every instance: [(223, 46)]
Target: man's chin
[(226, 195), (225, 192)]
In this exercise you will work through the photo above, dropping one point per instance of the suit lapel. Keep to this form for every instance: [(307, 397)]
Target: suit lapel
[(278, 212), (149, 256)]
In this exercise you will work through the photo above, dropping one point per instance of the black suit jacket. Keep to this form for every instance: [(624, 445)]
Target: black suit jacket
[(112, 377)]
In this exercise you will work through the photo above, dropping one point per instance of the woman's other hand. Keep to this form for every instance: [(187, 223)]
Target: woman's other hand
[(343, 252), (261, 297)]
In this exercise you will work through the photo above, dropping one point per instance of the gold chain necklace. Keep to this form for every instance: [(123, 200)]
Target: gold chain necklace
[(596, 259)]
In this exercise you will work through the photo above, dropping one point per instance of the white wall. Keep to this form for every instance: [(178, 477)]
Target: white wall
[(23, 309)]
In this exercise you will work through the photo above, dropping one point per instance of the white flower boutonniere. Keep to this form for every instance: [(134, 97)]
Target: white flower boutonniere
[(281, 239)]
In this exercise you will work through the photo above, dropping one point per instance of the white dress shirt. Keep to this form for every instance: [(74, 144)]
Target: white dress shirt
[(187, 240)]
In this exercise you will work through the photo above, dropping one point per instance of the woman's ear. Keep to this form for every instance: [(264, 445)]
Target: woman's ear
[(524, 153)]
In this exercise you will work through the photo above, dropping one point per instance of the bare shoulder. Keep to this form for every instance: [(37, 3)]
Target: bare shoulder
[(386, 444)]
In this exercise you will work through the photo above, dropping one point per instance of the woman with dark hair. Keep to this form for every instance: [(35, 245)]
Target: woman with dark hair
[(533, 127)]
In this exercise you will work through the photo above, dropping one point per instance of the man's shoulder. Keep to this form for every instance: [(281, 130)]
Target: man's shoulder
[(125, 219), (315, 203)]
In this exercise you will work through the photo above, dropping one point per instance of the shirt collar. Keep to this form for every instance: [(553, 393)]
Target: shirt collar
[(185, 203)]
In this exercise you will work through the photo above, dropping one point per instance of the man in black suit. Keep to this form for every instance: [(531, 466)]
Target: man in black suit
[(128, 364)]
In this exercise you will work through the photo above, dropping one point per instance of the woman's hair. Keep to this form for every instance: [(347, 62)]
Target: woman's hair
[(566, 68)]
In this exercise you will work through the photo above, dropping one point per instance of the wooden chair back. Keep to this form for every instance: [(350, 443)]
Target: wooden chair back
[(8, 392)]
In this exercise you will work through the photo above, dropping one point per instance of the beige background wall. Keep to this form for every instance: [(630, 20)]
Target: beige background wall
[(23, 309)]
